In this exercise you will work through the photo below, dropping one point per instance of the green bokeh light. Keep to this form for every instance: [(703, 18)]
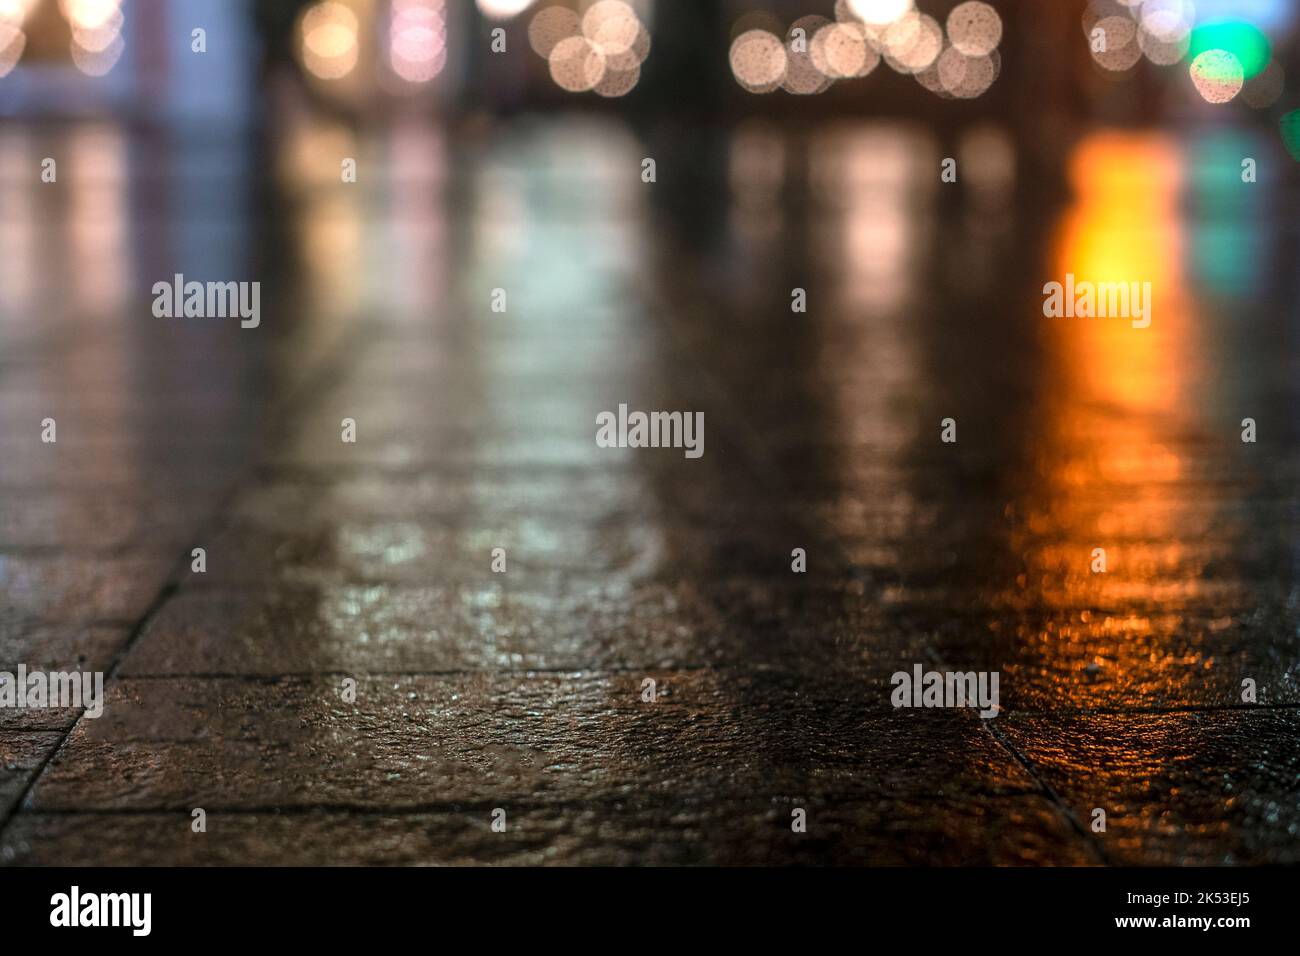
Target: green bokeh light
[(1244, 40)]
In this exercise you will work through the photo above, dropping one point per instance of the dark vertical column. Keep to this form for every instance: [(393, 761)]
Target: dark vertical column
[(148, 37), (681, 112), (686, 73)]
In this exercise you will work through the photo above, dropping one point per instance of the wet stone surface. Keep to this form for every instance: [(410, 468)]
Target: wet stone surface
[(1177, 787), (681, 830), (21, 753), (412, 742), (350, 680)]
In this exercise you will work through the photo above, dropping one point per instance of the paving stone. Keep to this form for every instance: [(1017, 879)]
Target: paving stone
[(21, 753), (61, 646), (55, 648), (419, 552), (407, 742), (290, 503), (693, 830), (114, 522), (1205, 788), (79, 588), (490, 626), (1136, 661), (330, 562)]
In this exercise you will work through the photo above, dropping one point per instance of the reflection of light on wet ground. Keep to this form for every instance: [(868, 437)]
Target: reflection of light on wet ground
[(412, 273), (872, 213), (19, 239), (1124, 228), (555, 224), (1118, 391), (82, 217), (1228, 247), (97, 218), (988, 165), (757, 176), (477, 433), (550, 215), (875, 184), (328, 223), (1125, 454)]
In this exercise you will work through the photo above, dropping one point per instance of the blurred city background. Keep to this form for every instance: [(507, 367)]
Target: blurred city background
[(797, 145)]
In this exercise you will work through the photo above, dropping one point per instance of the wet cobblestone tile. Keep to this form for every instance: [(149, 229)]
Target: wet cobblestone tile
[(420, 552), (1195, 787), (290, 502), (330, 562), (1123, 661), (694, 830), (54, 648), (60, 646), (376, 629), (408, 741), (114, 521), (21, 753), (75, 588)]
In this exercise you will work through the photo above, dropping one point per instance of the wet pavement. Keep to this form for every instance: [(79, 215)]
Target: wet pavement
[(332, 565)]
